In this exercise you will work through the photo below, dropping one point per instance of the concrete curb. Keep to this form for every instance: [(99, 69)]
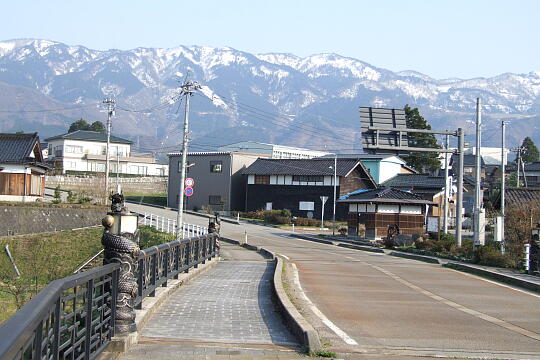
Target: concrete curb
[(311, 238), (361, 247), (120, 344), (308, 336), (427, 259), (296, 322), (508, 279)]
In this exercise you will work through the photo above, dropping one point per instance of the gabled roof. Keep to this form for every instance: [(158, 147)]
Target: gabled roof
[(317, 166), (89, 136), (468, 160), (519, 196), (384, 195), (18, 148), (415, 181)]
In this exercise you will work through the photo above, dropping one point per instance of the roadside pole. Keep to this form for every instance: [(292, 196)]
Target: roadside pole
[(459, 210), (446, 190), (503, 179), (110, 112)]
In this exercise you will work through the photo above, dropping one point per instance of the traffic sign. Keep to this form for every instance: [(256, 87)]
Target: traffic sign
[(188, 191), (189, 182)]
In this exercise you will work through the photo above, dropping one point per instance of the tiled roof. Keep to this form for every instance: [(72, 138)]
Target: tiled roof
[(535, 166), (384, 195), (16, 148), (468, 160), (89, 136), (413, 181), (517, 196), (317, 166)]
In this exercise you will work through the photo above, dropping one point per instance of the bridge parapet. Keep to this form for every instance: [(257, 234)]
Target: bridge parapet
[(76, 317)]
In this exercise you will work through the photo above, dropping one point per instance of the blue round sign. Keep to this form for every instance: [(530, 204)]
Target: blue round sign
[(188, 191)]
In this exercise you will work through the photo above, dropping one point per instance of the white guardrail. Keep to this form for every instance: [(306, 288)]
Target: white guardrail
[(169, 226)]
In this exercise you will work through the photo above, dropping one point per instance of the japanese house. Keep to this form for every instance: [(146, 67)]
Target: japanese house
[(380, 208), (22, 169), (299, 184)]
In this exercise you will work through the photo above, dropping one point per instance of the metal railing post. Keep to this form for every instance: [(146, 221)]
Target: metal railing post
[(145, 218), (88, 322)]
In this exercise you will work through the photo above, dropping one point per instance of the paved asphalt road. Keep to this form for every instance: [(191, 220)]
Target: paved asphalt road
[(394, 306)]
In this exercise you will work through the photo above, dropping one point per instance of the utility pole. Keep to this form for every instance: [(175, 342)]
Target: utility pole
[(503, 177), (335, 185), (477, 188), (188, 88), (446, 192), (459, 210), (518, 164), (111, 104)]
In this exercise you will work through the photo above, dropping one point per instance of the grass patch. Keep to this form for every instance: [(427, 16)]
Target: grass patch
[(322, 353), (41, 258), (153, 199), (149, 236)]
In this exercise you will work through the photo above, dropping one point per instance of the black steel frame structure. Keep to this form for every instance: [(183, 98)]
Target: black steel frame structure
[(73, 317)]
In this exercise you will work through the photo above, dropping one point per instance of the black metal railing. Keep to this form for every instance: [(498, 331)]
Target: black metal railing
[(73, 317), (166, 261)]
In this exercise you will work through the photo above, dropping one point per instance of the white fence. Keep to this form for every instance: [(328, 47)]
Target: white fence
[(169, 226)]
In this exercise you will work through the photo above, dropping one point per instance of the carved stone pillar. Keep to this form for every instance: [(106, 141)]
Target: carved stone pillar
[(120, 240)]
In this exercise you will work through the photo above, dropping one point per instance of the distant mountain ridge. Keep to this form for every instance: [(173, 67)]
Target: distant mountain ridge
[(317, 97)]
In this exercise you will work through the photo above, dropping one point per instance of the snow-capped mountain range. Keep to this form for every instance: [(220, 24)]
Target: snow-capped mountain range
[(282, 98)]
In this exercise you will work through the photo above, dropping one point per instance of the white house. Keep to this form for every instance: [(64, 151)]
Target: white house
[(272, 150), (85, 152)]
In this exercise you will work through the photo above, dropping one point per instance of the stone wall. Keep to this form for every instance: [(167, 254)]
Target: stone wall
[(36, 219), (140, 185)]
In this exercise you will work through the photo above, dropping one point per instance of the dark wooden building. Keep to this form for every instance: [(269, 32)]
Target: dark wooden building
[(298, 184), (22, 169), (379, 208)]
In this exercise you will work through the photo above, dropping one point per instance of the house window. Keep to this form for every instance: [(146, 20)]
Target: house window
[(262, 179), (306, 205), (58, 150), (214, 200), (74, 149), (307, 178), (268, 206), (216, 166), (71, 165)]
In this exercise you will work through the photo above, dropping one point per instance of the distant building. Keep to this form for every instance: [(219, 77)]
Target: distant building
[(271, 150), (298, 184), (219, 183), (532, 174), (377, 209), (22, 169), (384, 167), (429, 187), (83, 152)]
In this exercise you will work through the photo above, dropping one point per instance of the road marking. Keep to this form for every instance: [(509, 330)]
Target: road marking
[(455, 305), (342, 334), (497, 283)]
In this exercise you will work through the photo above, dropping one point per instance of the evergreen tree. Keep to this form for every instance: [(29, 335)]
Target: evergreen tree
[(97, 126), (530, 152), (420, 161), (79, 125)]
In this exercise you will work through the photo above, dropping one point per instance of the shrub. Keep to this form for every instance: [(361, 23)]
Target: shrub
[(490, 255), (57, 196), (342, 230), (71, 197)]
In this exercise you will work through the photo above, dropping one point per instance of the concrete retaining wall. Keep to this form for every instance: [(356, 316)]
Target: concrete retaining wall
[(147, 185), (16, 220)]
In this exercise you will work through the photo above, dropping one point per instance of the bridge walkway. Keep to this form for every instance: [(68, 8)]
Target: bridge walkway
[(227, 312)]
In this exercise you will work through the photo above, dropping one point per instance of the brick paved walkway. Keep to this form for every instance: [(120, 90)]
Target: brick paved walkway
[(232, 303)]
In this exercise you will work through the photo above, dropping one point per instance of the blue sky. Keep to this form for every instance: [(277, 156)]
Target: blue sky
[(451, 38)]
